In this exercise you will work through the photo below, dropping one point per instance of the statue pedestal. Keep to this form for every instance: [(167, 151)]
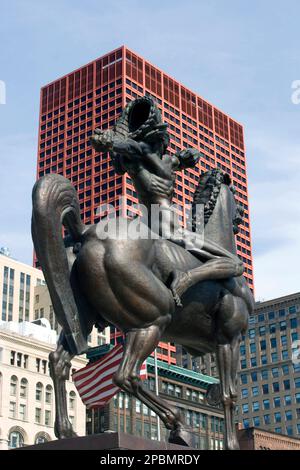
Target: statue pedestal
[(106, 441)]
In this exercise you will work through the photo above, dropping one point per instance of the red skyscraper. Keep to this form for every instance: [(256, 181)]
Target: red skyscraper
[(93, 96)]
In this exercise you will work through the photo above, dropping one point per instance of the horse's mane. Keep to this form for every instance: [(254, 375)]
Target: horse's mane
[(207, 193)]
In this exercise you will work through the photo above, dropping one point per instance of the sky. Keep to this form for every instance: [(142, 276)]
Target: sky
[(241, 56)]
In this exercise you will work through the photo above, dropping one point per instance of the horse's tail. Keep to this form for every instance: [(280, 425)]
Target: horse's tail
[(55, 204)]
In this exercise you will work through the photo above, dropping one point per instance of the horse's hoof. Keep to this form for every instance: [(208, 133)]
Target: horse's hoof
[(67, 434), (181, 437), (62, 432), (213, 394), (233, 446)]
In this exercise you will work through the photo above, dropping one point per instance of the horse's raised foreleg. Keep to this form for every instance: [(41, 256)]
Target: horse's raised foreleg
[(139, 344), (60, 364)]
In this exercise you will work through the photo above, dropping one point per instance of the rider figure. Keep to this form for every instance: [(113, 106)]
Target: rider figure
[(153, 173)]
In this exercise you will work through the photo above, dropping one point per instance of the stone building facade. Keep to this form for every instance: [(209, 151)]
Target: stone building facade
[(184, 389), (17, 283), (269, 375), (26, 389), (42, 307), (260, 439)]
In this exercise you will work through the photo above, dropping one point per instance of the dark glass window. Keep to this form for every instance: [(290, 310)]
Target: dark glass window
[(277, 417), (256, 421), (254, 376), (267, 419), (282, 325), (293, 322), (264, 374), (263, 345), (276, 402), (244, 378), (266, 404), (287, 384), (265, 389)]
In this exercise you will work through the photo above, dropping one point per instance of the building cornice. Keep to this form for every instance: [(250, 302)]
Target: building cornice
[(277, 301)]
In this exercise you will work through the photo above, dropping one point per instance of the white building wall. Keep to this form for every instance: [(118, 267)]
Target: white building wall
[(28, 427), (43, 308), (21, 309)]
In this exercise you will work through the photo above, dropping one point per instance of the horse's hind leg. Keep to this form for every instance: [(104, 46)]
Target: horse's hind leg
[(139, 344), (227, 371), (60, 364), (232, 320)]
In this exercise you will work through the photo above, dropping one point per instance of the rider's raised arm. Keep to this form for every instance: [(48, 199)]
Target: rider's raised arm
[(126, 147), (104, 141), (107, 140)]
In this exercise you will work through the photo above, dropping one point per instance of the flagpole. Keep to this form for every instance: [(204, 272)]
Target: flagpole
[(156, 391)]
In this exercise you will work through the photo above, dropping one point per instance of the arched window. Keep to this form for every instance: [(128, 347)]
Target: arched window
[(15, 439), (72, 400), (13, 385), (48, 398), (23, 388), (42, 437), (39, 391)]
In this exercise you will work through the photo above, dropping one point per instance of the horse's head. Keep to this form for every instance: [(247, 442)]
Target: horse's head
[(222, 215)]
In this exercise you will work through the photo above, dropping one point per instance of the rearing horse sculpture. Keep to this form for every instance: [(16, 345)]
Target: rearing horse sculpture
[(98, 280)]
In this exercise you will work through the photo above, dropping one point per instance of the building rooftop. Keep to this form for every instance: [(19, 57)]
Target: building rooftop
[(164, 369), (277, 300), (181, 374), (39, 330)]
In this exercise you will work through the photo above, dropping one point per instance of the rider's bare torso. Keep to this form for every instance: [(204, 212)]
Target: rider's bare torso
[(153, 176)]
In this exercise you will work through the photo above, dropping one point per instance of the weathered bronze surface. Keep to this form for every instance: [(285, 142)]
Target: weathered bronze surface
[(181, 286)]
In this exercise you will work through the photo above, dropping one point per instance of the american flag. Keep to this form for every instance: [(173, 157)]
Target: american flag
[(94, 382)]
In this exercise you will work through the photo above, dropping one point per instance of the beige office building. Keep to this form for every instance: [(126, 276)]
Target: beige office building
[(43, 309), (26, 389), (25, 297), (269, 375), (17, 284)]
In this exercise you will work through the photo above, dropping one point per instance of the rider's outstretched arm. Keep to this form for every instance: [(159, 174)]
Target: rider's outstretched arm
[(104, 141), (187, 158)]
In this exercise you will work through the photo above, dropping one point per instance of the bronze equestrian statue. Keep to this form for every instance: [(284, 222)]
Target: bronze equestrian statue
[(179, 286)]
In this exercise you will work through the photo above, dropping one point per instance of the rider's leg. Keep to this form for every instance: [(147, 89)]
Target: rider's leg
[(220, 268), (221, 263)]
